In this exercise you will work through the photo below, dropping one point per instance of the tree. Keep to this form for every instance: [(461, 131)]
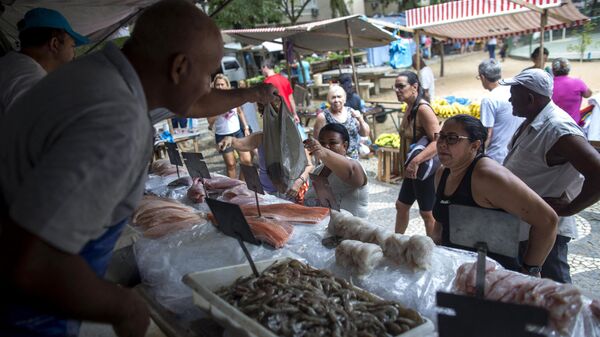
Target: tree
[(585, 39), (291, 11), (247, 13), (338, 8)]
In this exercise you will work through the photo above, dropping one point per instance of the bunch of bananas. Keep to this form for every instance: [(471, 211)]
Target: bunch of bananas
[(388, 140), (444, 110)]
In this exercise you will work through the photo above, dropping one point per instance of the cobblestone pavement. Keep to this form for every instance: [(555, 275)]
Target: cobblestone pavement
[(584, 251)]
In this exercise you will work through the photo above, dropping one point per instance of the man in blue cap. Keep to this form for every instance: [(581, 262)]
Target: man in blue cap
[(47, 41)]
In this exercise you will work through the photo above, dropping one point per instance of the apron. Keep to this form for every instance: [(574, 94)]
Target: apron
[(21, 320)]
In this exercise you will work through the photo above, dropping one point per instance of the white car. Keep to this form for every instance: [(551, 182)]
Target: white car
[(231, 68)]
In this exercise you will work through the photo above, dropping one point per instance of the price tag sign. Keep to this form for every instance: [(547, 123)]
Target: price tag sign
[(173, 152), (231, 222), (252, 179), (324, 192), (195, 165)]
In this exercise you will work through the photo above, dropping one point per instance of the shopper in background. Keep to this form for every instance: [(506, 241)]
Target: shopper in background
[(568, 91), (350, 118), (352, 99), (491, 47), (232, 123), (419, 121), (426, 78), (535, 58), (551, 155), (496, 111)]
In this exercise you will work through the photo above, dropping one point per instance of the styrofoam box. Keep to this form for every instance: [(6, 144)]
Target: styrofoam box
[(206, 282)]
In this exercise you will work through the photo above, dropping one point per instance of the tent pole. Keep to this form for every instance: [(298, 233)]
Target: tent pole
[(351, 46), (417, 37), (543, 25), (441, 44)]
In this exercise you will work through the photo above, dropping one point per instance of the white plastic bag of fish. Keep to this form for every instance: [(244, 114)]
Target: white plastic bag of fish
[(360, 256), (350, 227), (415, 251)]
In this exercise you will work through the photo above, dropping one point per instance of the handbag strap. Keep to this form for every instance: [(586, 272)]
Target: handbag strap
[(413, 114)]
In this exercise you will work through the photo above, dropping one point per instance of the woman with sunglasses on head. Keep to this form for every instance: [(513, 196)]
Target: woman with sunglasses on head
[(419, 121), (470, 178)]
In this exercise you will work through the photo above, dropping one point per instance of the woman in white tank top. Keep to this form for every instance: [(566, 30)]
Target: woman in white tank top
[(232, 123)]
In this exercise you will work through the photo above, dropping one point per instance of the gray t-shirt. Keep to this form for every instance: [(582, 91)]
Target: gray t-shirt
[(353, 199), (18, 73), (74, 150), (496, 113)]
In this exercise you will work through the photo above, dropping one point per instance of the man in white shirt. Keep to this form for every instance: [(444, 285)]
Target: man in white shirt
[(496, 111), (47, 41), (426, 78), (550, 153)]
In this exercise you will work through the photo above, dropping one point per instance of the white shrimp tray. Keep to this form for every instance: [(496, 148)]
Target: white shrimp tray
[(204, 284)]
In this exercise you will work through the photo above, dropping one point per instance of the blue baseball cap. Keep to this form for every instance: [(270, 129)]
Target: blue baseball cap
[(49, 18)]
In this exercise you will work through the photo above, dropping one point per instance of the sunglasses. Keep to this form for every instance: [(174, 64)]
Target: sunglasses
[(449, 139), (400, 86)]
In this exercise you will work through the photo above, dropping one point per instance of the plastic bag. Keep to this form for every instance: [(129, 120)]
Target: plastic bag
[(284, 151), (400, 55)]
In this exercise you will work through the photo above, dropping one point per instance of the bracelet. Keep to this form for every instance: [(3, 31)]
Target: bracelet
[(303, 180)]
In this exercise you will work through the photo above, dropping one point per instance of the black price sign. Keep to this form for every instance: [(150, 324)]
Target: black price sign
[(173, 152), (252, 179), (324, 192), (195, 165), (231, 222)]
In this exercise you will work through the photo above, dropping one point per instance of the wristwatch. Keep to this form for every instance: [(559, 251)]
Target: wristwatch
[(531, 270)]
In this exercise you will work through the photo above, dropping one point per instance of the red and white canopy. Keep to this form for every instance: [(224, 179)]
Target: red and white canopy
[(472, 19)]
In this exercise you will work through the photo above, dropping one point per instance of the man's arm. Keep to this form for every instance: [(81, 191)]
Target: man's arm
[(64, 282), (217, 101), (585, 159), (488, 141)]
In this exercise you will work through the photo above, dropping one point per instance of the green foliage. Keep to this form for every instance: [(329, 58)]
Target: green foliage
[(585, 39), (338, 8), (255, 80), (247, 13)]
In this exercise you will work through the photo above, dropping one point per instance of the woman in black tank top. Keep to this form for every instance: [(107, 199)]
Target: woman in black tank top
[(470, 178)]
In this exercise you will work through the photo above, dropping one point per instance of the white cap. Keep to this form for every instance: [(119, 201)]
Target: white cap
[(536, 80)]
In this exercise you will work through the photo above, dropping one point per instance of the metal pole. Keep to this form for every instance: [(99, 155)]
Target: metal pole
[(351, 45), (544, 21), (418, 43), (441, 44)]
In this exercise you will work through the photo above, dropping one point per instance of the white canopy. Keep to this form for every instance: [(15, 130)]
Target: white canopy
[(320, 36), (92, 18)]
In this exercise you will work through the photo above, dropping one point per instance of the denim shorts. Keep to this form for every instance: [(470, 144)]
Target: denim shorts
[(219, 138)]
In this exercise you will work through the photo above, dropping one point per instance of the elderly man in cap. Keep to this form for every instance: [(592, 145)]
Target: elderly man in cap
[(496, 111), (74, 170), (47, 41), (550, 153)]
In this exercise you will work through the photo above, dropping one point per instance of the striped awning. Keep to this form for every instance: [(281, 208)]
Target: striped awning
[(320, 36), (476, 19)]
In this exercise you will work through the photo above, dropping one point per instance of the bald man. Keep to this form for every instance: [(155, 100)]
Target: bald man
[(75, 168)]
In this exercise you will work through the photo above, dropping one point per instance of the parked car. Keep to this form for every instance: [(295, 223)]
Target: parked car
[(231, 68)]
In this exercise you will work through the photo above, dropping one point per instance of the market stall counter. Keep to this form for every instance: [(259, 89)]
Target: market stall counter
[(406, 270)]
